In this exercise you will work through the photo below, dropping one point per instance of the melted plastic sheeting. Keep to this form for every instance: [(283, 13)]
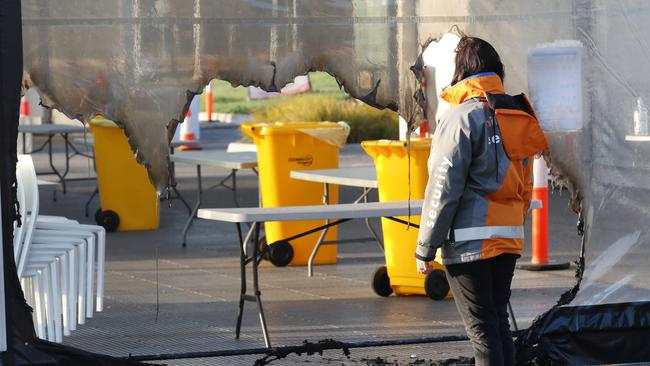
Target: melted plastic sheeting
[(138, 62), (585, 64)]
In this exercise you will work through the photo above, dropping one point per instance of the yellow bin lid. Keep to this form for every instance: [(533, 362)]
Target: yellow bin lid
[(102, 122), (375, 148), (329, 132), (283, 128)]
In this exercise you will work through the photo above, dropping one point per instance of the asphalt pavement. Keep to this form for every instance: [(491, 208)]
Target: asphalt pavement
[(164, 298)]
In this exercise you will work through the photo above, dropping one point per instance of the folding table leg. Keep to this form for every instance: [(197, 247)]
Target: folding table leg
[(242, 267), (190, 220), (256, 286), (179, 196), (67, 160), (243, 296), (312, 256), (234, 187), (90, 199), (368, 225), (174, 183)]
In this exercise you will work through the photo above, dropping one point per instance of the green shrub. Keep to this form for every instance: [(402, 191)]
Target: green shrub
[(366, 122)]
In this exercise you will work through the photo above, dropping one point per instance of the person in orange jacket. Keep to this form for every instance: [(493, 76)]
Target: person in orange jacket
[(478, 194)]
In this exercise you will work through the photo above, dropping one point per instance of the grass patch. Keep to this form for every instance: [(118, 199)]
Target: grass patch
[(227, 99), (325, 102), (366, 122)]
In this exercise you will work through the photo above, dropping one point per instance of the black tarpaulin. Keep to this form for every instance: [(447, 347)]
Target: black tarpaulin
[(590, 335)]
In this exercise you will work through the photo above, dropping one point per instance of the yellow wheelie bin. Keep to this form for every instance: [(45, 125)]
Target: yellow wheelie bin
[(400, 274), (128, 199), (281, 148)]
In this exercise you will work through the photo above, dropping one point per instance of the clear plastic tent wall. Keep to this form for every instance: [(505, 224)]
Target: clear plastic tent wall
[(584, 63), (138, 62)]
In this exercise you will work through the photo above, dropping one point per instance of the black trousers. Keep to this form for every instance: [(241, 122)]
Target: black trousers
[(482, 291)]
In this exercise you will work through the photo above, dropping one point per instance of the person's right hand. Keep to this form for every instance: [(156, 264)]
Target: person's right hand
[(423, 267)]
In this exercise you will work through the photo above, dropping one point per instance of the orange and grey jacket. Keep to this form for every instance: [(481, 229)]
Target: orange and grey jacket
[(480, 173)]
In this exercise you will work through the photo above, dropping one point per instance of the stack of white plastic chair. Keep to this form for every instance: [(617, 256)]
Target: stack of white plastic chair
[(45, 273), (74, 248)]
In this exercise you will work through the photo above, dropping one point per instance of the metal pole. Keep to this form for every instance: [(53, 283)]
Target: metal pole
[(294, 27), (273, 40), (3, 320), (137, 40), (196, 34)]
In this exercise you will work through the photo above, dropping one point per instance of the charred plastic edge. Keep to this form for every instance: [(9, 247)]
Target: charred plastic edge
[(596, 334)]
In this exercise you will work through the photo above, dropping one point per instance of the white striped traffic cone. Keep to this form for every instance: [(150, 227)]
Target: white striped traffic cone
[(190, 128), (539, 260)]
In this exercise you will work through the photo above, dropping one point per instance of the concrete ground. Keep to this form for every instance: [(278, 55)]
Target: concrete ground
[(163, 298)]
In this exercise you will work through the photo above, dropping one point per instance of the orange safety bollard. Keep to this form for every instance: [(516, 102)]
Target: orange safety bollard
[(208, 100), (539, 260), (540, 215)]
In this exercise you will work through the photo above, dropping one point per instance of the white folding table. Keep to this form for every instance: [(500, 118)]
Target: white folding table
[(45, 183), (234, 161), (51, 130), (364, 176), (256, 216)]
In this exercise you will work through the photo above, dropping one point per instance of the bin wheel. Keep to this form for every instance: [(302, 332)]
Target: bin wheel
[(436, 285), (280, 253), (108, 219), (98, 216), (381, 282)]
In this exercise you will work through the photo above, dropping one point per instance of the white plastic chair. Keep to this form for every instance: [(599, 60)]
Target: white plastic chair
[(85, 244), (44, 269), (94, 235), (39, 276), (64, 249), (48, 311), (73, 247), (67, 261)]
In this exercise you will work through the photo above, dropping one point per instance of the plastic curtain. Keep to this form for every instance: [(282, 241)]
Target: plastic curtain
[(584, 64)]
